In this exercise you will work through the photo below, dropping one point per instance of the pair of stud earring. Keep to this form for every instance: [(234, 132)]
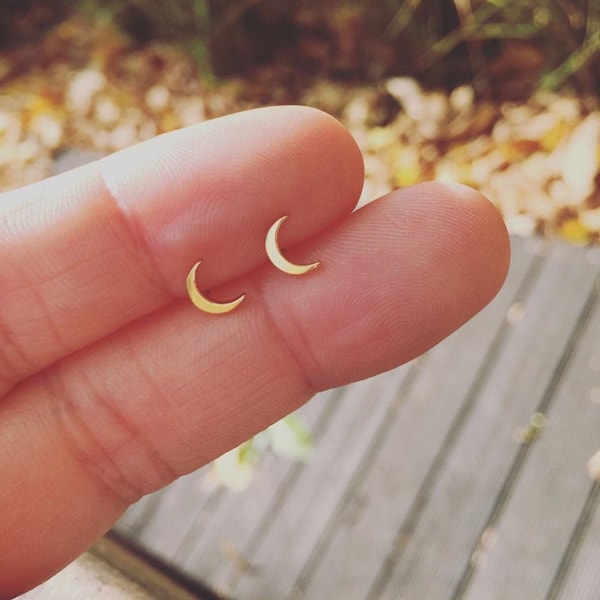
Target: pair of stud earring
[(275, 256)]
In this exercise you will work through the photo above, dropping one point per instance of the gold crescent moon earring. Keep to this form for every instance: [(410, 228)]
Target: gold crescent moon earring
[(203, 303), (275, 256)]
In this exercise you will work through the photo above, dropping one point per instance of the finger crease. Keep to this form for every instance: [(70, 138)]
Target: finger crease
[(99, 455), (304, 367), (139, 241)]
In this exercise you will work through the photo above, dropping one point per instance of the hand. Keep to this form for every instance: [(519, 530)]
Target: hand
[(113, 384)]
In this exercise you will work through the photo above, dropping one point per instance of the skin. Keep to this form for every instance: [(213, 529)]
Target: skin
[(113, 384)]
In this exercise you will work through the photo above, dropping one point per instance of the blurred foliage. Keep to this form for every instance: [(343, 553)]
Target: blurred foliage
[(288, 438), (441, 42)]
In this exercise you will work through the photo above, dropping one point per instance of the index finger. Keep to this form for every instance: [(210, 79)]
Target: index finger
[(89, 251)]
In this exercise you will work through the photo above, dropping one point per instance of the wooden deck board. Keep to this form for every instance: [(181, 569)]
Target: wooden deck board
[(526, 546), (237, 518), (402, 464), (197, 505), (481, 470), (320, 490), (579, 577), (418, 487)]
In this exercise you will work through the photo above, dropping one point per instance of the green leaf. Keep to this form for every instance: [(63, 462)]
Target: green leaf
[(290, 438), (232, 470)]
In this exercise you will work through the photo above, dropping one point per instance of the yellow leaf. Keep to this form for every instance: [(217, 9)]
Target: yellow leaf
[(453, 172), (407, 167), (553, 136), (39, 104), (169, 121), (407, 175), (380, 138), (579, 165), (575, 232), (518, 150)]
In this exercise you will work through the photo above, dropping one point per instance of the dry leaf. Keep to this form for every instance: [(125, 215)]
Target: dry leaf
[(580, 158), (593, 467)]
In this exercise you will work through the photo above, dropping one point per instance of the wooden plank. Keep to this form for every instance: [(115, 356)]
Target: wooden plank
[(439, 400), (523, 551), (256, 584), (135, 516), (162, 520), (580, 577), (287, 538), (171, 522), (212, 550), (150, 574), (433, 554)]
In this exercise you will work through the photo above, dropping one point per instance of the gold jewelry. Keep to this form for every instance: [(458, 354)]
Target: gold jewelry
[(275, 256), (203, 303)]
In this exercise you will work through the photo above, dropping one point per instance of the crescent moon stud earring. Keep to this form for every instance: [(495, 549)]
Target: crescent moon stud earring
[(277, 258), (203, 303)]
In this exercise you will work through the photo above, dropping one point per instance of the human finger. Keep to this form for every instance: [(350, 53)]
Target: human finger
[(174, 390), (86, 252)]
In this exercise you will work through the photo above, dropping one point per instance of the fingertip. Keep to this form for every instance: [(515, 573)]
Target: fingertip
[(329, 153), (471, 233), (485, 230), (398, 276), (349, 164)]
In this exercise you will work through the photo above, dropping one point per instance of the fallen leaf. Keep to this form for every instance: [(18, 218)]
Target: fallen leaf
[(580, 159), (575, 232), (593, 467)]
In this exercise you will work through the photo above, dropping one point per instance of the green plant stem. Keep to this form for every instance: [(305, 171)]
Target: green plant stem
[(450, 41), (492, 31), (474, 48), (592, 22), (574, 63), (402, 18)]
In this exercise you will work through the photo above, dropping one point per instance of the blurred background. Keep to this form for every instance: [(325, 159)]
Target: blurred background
[(504, 47), (499, 94)]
